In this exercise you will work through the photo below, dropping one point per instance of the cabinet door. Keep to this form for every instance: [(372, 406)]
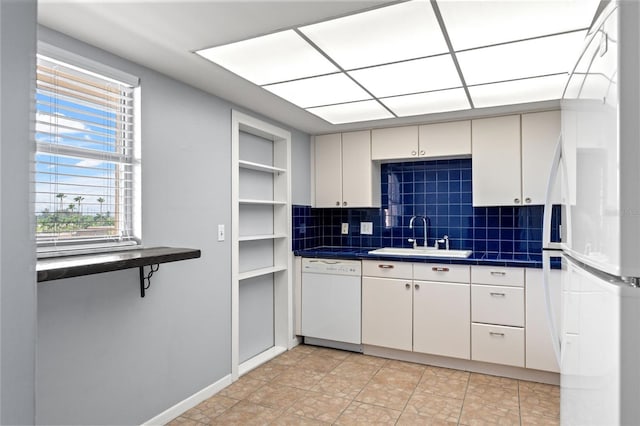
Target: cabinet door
[(495, 147), (445, 139), (386, 313), (441, 323), (539, 349), (394, 143), (360, 185), (540, 133), (328, 173)]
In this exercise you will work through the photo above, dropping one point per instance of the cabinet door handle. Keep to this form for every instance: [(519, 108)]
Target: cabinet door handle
[(421, 152), (344, 203), (337, 203), (498, 273), (516, 200), (493, 333), (407, 286), (439, 269), (417, 286), (497, 294), (527, 200), (382, 266), (414, 153)]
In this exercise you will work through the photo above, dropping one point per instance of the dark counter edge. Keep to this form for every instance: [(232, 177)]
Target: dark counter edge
[(363, 254), (50, 268)]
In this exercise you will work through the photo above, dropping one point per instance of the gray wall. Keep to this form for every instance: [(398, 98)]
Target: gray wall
[(17, 256), (106, 356)]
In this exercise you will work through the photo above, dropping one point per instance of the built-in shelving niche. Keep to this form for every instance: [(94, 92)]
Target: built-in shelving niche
[(261, 265)]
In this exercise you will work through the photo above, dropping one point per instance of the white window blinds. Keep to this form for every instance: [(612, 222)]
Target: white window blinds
[(84, 164)]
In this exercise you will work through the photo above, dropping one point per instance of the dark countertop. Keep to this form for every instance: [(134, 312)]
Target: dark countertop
[(55, 268), (476, 258)]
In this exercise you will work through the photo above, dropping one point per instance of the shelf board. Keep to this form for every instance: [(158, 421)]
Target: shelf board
[(261, 237), (262, 202), (259, 167), (259, 272)]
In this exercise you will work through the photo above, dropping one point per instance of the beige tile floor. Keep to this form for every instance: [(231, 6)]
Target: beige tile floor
[(318, 386)]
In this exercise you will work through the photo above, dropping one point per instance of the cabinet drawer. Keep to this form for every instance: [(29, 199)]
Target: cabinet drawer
[(386, 269), (497, 276), (442, 273), (497, 305), (497, 344)]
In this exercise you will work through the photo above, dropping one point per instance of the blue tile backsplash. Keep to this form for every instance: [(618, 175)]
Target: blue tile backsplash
[(439, 190)]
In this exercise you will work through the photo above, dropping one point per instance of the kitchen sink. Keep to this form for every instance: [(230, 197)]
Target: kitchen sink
[(421, 252)]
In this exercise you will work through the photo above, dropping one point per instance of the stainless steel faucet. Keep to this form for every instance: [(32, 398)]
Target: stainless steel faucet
[(444, 240), (424, 223)]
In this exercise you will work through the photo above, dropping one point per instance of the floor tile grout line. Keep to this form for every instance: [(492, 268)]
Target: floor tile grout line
[(464, 398), (411, 396)]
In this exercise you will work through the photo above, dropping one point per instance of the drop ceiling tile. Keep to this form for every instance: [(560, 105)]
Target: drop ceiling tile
[(518, 91), (351, 112), (420, 75), (319, 91), (272, 58), (481, 23), (428, 103), (547, 55), (402, 31)]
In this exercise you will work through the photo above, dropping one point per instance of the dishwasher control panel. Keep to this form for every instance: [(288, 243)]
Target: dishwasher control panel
[(331, 266)]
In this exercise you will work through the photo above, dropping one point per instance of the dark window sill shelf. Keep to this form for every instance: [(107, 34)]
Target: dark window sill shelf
[(57, 268)]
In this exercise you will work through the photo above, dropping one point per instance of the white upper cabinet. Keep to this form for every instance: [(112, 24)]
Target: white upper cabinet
[(345, 176), (328, 170), (540, 133), (496, 161), (394, 143), (512, 158), (445, 139)]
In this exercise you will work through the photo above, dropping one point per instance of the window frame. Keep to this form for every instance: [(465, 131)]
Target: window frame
[(73, 247)]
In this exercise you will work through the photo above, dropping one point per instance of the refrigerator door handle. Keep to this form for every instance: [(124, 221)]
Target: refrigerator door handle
[(546, 244)]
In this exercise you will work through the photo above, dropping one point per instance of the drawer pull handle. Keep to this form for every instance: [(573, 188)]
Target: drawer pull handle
[(439, 269), (497, 294), (493, 333), (385, 266), (498, 273)]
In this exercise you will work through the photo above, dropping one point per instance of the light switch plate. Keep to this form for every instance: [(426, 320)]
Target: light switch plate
[(221, 232), (366, 228), (345, 228)]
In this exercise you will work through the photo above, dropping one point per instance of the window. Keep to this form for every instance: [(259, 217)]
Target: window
[(86, 159)]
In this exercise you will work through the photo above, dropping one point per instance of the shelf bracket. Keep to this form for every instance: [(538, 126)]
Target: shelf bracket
[(143, 287)]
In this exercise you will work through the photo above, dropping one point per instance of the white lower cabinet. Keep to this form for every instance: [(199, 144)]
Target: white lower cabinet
[(540, 354), (497, 344), (401, 312), (441, 318), (386, 312), (497, 315), (480, 313)]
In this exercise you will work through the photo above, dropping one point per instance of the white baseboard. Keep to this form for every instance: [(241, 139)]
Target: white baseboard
[(260, 359), (171, 413)]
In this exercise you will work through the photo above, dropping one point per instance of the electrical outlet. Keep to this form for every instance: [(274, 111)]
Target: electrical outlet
[(366, 228), (345, 228)]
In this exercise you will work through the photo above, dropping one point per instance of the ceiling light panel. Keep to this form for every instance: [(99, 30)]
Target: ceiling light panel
[(541, 56), (272, 58), (318, 91), (420, 75), (519, 91), (481, 23), (428, 103), (393, 33), (351, 112)]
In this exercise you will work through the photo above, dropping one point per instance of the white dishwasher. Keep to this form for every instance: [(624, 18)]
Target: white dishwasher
[(331, 303)]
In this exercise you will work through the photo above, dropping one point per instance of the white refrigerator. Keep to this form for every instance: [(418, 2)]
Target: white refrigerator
[(597, 164)]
